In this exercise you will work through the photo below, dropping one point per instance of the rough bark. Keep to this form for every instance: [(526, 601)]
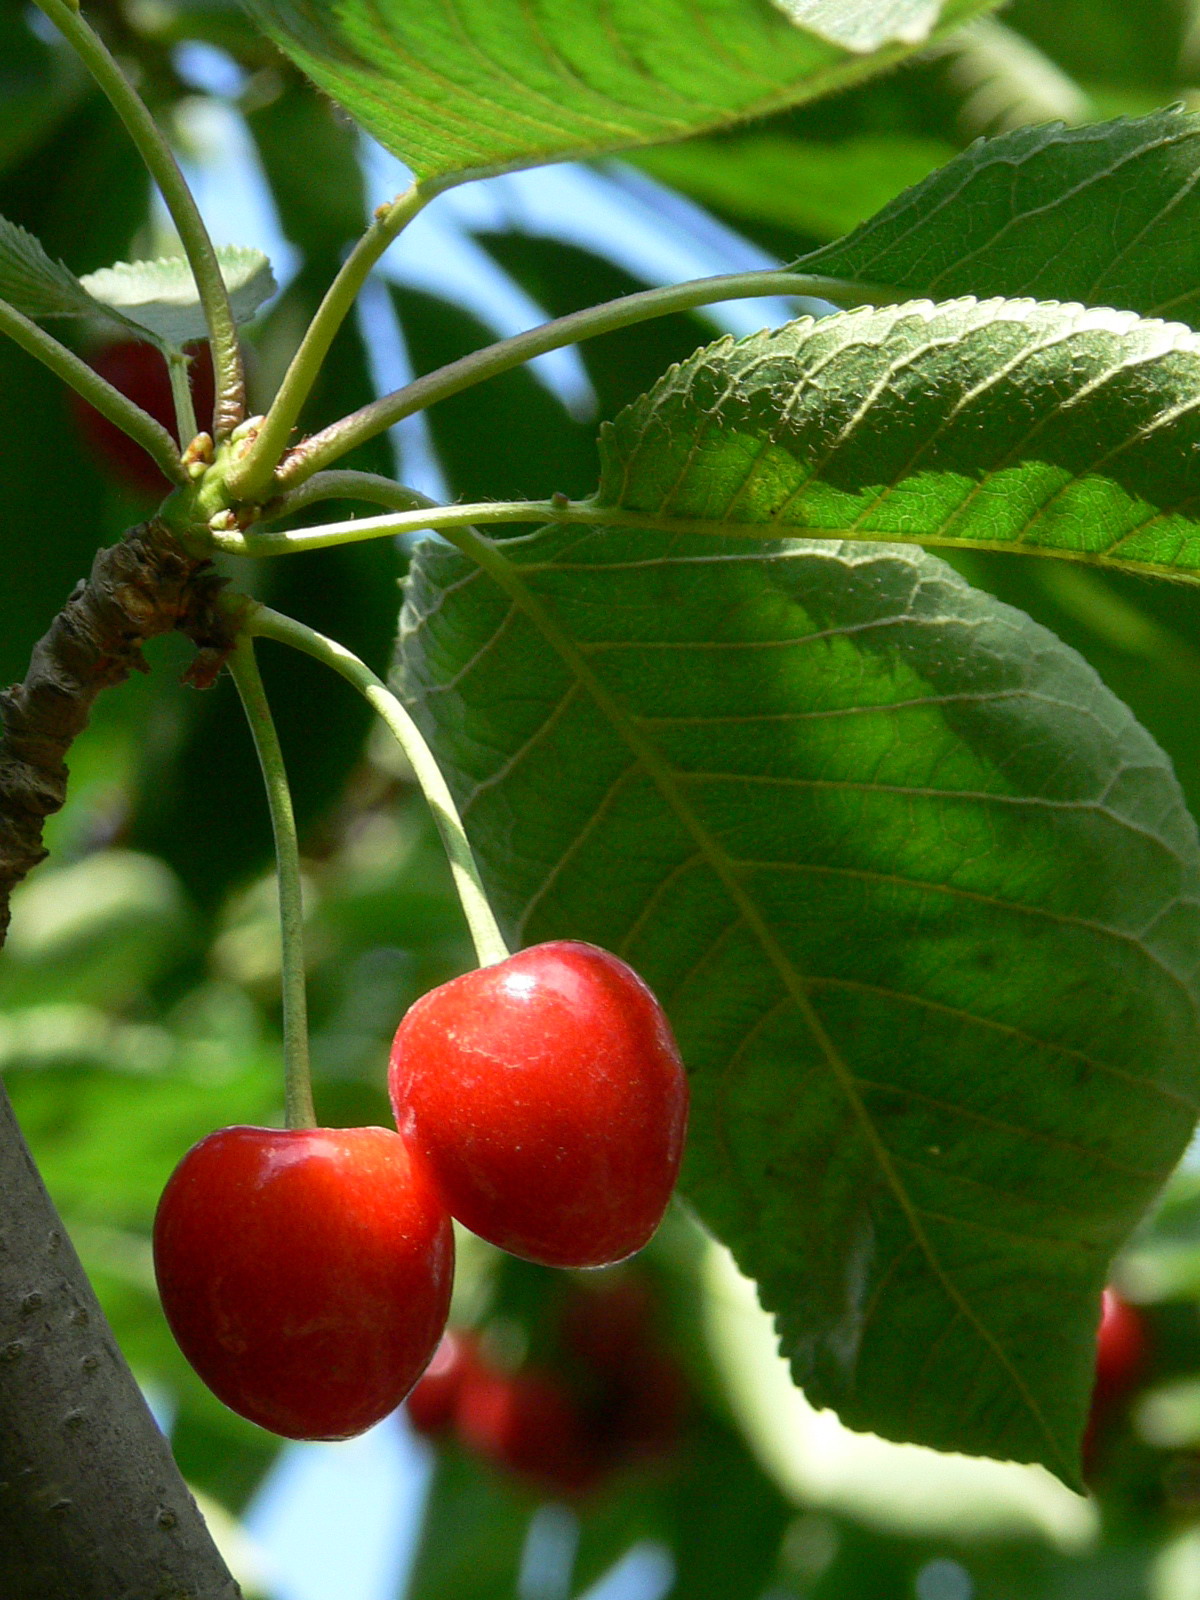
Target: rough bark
[(142, 587), (92, 1506)]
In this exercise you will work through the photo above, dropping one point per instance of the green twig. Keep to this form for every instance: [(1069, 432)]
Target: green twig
[(251, 476), (489, 942), (164, 169), (181, 394), (359, 529), (109, 402), (364, 424), (297, 1079), (367, 486)]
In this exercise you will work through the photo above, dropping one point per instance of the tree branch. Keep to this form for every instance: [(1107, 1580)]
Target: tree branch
[(92, 1505), (142, 587)]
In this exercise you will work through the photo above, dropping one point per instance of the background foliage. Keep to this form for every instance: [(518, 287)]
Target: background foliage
[(138, 991)]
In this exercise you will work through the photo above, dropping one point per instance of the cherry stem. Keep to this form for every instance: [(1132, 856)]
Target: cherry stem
[(109, 402), (489, 942), (298, 1098), (180, 202), (339, 437), (181, 395), (252, 474)]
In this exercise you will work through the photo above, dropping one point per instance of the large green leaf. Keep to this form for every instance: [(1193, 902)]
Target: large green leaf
[(920, 897), (458, 87), (1108, 214), (998, 424)]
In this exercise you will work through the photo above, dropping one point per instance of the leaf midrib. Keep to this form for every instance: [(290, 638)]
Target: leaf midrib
[(595, 514), (654, 764)]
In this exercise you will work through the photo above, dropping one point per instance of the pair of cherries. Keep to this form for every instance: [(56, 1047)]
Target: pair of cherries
[(306, 1273)]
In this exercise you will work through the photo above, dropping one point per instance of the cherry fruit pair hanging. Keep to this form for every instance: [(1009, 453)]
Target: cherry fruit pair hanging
[(306, 1273)]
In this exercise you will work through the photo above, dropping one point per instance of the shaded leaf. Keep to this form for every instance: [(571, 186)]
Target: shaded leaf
[(920, 897), (1108, 214), (1107, 41), (37, 86), (456, 89), (1002, 424), (35, 284)]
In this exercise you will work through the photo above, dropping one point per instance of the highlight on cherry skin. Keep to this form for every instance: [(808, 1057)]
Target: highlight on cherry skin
[(548, 1096), (305, 1273)]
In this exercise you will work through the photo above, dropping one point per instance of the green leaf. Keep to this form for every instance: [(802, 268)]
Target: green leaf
[(1108, 214), (1109, 41), (457, 89), (1000, 424), (161, 296), (921, 900), (33, 283)]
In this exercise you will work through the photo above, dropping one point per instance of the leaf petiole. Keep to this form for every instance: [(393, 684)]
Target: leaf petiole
[(251, 476), (359, 529), (342, 436), (297, 1077), (181, 395), (485, 932)]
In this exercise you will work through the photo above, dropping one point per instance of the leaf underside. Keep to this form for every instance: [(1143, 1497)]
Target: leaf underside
[(1004, 424), (161, 296), (463, 87), (920, 897)]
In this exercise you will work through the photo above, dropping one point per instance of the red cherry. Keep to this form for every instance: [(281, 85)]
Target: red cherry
[(432, 1403), (306, 1274), (1120, 1348), (529, 1423), (139, 371), (548, 1096)]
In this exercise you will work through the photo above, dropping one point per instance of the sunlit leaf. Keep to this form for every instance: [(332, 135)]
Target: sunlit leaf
[(466, 88), (999, 424)]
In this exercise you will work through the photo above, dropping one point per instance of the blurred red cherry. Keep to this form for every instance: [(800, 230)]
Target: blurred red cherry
[(1122, 1346), (638, 1391), (530, 1424), (432, 1404), (139, 371)]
